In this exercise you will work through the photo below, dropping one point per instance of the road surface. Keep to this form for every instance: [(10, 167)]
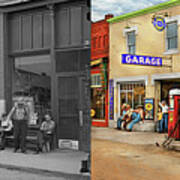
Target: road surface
[(116, 160)]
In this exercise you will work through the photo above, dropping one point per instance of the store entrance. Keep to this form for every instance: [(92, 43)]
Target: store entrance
[(68, 100), (166, 86), (32, 80)]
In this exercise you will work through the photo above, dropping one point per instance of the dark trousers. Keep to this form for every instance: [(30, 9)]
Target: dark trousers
[(164, 123), (20, 133)]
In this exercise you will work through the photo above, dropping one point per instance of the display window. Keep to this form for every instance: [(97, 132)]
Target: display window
[(132, 94), (31, 80), (98, 103)]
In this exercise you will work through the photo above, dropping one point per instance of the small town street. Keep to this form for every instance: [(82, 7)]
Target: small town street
[(120, 155)]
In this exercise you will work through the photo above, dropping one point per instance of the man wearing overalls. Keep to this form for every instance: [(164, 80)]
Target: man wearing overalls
[(20, 117)]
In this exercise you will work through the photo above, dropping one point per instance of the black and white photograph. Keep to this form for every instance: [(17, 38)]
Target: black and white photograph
[(45, 89), (89, 90)]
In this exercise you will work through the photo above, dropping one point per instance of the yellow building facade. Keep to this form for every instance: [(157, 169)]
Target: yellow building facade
[(135, 34)]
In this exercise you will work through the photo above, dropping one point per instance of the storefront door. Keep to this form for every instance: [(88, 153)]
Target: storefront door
[(68, 105)]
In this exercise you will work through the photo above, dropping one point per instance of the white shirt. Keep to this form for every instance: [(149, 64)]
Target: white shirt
[(164, 108)]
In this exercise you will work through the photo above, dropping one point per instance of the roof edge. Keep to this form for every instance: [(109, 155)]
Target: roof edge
[(140, 12)]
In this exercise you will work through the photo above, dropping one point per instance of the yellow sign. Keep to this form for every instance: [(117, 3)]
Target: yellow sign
[(93, 112), (149, 106), (96, 62)]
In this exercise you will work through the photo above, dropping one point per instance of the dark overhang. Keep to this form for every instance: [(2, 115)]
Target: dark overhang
[(18, 5), (4, 3)]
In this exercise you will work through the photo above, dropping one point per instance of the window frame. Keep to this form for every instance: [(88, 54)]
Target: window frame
[(129, 45), (167, 39), (126, 31), (94, 77), (172, 19)]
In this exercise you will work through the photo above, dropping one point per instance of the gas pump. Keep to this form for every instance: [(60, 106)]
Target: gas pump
[(174, 114)]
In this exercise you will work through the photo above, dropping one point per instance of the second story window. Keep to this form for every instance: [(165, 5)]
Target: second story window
[(131, 42), (96, 80), (171, 35)]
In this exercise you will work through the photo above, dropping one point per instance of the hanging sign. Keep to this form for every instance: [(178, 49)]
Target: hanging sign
[(141, 60), (159, 23), (103, 67), (149, 109), (111, 99)]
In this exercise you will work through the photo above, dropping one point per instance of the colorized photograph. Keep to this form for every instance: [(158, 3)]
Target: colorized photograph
[(135, 90)]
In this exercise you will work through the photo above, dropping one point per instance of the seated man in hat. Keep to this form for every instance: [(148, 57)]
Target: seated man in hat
[(137, 116)]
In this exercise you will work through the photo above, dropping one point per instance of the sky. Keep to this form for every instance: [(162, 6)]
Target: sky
[(118, 7)]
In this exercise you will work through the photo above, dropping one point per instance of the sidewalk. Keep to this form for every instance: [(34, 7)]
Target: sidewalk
[(61, 163)]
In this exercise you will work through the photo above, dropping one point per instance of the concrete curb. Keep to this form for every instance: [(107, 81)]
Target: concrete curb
[(44, 172)]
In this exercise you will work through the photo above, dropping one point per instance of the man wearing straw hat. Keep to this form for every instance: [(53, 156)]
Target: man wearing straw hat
[(20, 116)]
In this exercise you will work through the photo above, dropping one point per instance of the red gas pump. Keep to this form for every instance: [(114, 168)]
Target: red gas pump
[(174, 114)]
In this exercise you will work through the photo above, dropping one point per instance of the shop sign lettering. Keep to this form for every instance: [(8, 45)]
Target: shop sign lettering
[(111, 99), (141, 60)]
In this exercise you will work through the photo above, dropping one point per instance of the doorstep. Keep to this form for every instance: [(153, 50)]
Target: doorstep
[(146, 126)]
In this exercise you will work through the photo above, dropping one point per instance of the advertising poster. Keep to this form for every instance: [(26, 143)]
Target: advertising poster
[(149, 109)]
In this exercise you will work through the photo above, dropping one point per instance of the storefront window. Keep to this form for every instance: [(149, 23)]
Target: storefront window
[(31, 79), (132, 94), (98, 102)]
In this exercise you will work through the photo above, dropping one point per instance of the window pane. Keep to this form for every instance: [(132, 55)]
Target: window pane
[(131, 38), (99, 80), (96, 80), (132, 49), (172, 30), (172, 43)]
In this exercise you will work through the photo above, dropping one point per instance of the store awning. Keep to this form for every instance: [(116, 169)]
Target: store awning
[(11, 2), (96, 62)]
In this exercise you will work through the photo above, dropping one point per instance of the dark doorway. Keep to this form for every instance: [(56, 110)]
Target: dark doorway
[(68, 94)]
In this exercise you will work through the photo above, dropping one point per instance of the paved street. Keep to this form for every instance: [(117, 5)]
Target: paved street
[(131, 156)]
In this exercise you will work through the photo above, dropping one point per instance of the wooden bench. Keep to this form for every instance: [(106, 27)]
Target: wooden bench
[(31, 138)]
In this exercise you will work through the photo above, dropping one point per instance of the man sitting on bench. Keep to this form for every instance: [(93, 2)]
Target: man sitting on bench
[(45, 136), (5, 129)]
